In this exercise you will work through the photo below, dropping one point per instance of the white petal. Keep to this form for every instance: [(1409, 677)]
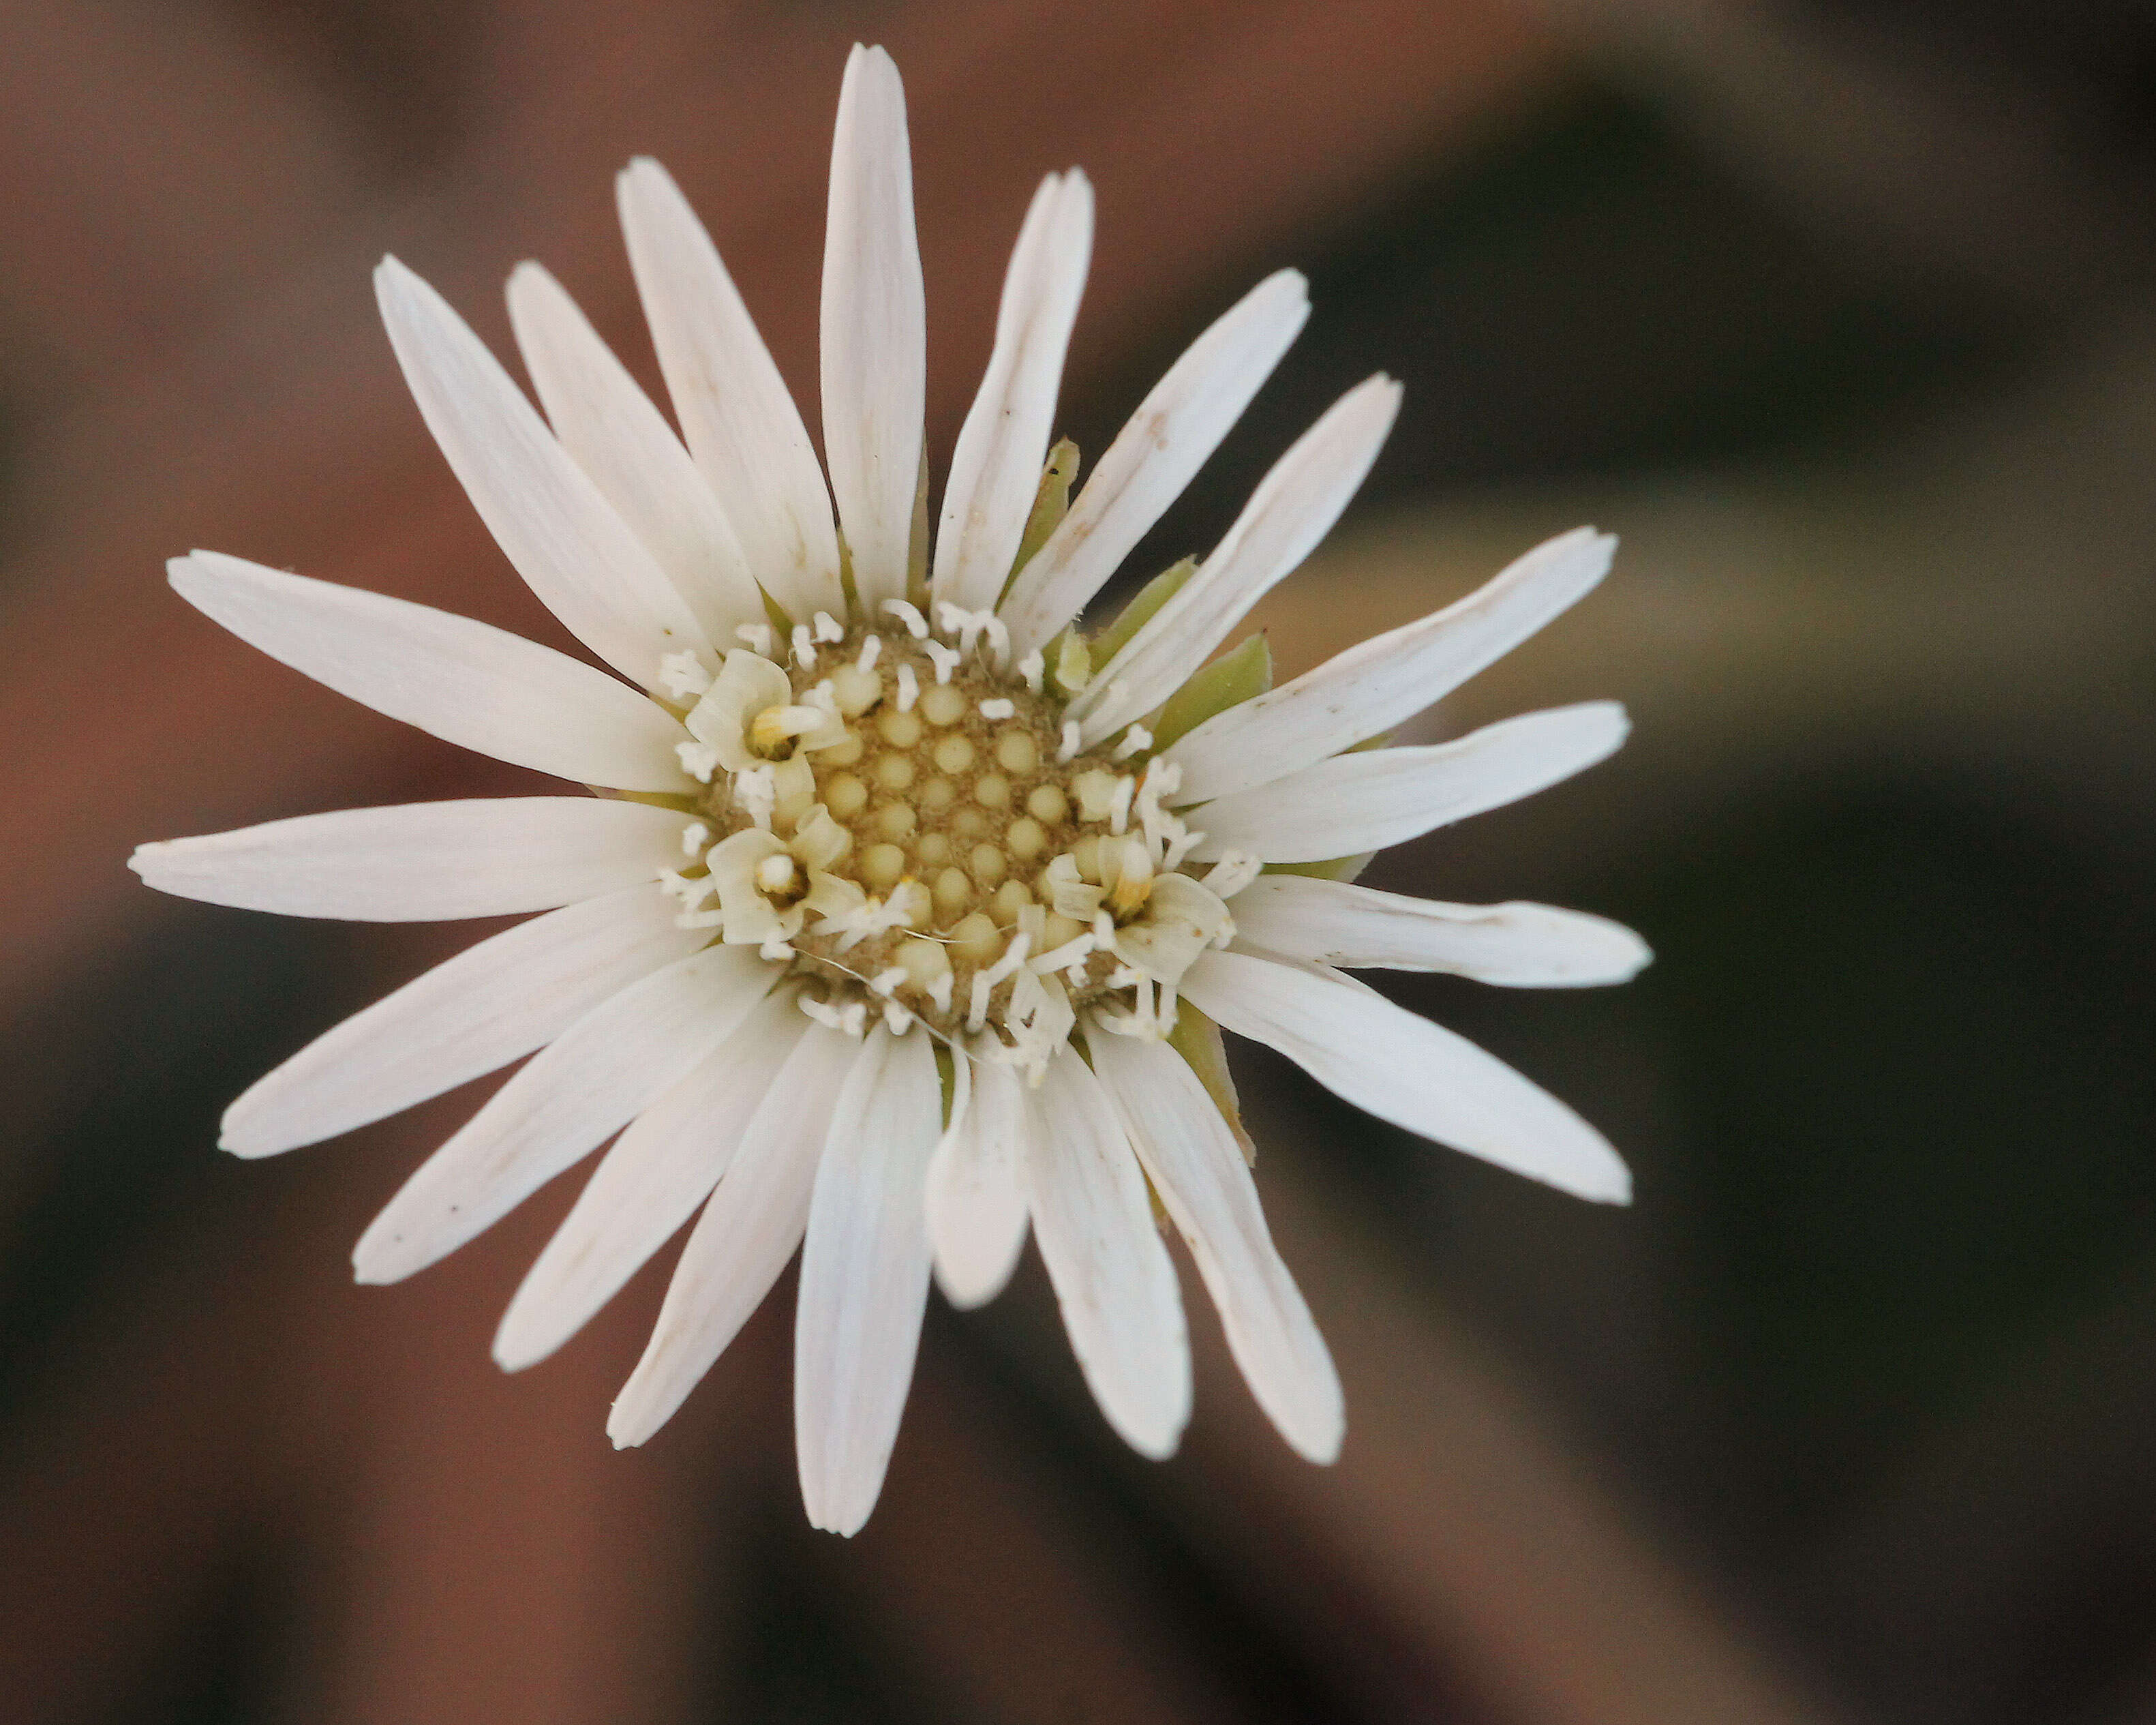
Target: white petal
[(585, 1084), (1155, 455), (748, 1230), (1351, 803), (1519, 944), (875, 326), (742, 427), (424, 862), (607, 422), (976, 1189), (490, 1005), (1093, 1219), (1407, 1070), (995, 469), (863, 1278), (572, 550), (1293, 508), (1374, 685), (464, 682), (1197, 1169), (648, 1185)]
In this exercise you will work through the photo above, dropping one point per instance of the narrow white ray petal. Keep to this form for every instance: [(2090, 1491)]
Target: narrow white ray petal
[(1375, 684), (490, 1005), (585, 1084), (874, 326), (608, 425), (1407, 1070), (1293, 508), (466, 682), (995, 468), (742, 427), (749, 1228), (424, 862), (864, 1279), (648, 1185), (977, 1191), (1381, 796), (572, 550), (1519, 944), (1093, 1219), (1167, 441), (1197, 1169)]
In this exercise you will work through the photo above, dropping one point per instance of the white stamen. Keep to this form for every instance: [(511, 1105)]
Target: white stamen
[(1119, 810), (755, 636), (871, 649), (916, 625), (1137, 738), (909, 684), (690, 893), (877, 915), (885, 983), (756, 789), (1070, 954), (999, 708), (896, 1019), (1008, 965), (699, 760), (804, 653), (828, 628), (694, 837), (977, 1004), (939, 990), (947, 658), (957, 619), (1033, 667), (1180, 846), (1165, 835), (1145, 1020), (684, 675), (776, 949), (1073, 737)]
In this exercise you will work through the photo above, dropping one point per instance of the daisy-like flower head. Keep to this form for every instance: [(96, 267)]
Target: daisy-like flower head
[(908, 915)]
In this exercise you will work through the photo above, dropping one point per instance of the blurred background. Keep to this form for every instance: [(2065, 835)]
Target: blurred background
[(1844, 317)]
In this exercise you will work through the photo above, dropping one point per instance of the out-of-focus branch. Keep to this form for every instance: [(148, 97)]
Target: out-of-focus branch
[(433, 1540), (1901, 159), (973, 1555), (1459, 1515)]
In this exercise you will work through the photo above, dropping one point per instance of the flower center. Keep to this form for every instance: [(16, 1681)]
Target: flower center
[(914, 832)]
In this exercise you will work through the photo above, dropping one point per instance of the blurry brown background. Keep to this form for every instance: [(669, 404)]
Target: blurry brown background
[(1842, 315)]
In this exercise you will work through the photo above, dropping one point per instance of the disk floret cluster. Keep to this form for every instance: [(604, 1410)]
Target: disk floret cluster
[(907, 822)]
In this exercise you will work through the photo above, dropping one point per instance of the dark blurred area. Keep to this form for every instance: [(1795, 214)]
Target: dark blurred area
[(1843, 317)]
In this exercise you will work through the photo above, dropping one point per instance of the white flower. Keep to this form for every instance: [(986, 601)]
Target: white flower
[(888, 943)]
